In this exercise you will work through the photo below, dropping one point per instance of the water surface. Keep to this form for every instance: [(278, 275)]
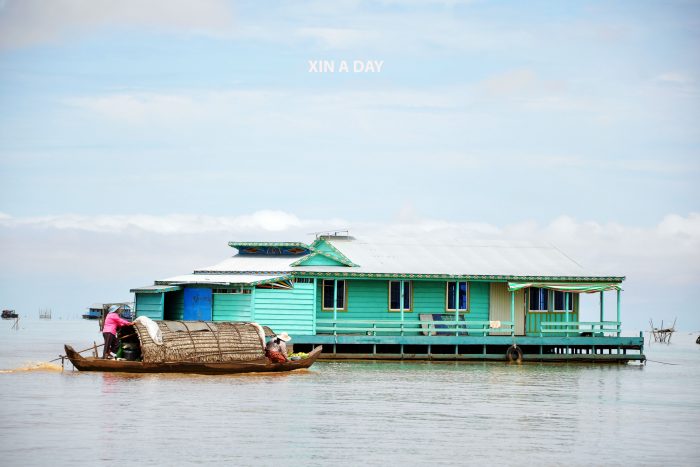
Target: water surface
[(359, 413)]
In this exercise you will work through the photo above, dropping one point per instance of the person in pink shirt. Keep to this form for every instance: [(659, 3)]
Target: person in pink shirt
[(109, 331)]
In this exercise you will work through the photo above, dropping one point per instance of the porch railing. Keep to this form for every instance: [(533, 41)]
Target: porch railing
[(406, 328), (462, 328), (578, 328)]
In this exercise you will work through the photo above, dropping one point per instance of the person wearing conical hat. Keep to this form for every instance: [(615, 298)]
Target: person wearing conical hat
[(276, 349), (109, 330)]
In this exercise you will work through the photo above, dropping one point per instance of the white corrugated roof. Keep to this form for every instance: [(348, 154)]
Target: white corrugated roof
[(252, 263), (418, 256), (458, 258), (156, 288), (220, 279)]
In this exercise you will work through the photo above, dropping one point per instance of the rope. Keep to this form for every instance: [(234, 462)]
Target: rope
[(663, 363)]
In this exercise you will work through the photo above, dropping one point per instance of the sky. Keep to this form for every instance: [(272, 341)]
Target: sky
[(138, 138)]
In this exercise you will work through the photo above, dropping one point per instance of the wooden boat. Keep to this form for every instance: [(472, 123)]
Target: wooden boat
[(203, 347), (204, 368), (9, 314)]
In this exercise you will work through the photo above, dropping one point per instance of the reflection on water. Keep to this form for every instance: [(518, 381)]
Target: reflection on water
[(349, 413)]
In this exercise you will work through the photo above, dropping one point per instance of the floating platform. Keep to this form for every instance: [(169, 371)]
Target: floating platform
[(603, 349)]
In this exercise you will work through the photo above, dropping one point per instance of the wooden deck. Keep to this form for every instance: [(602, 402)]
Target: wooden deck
[(358, 342)]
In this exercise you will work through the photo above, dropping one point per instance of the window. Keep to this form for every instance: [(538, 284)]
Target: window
[(539, 299), (563, 301), (227, 291), (462, 299), (395, 295), (303, 280), (328, 287)]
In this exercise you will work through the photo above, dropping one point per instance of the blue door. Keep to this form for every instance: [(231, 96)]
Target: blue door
[(197, 304)]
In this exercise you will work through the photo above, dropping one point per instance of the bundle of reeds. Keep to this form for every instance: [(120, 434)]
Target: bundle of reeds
[(199, 341)]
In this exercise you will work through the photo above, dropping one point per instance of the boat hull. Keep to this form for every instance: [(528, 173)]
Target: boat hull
[(125, 366)]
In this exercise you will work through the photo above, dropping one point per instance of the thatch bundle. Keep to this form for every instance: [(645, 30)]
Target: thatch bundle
[(199, 341)]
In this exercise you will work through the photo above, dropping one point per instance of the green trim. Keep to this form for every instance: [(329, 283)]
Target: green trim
[(273, 280), (454, 277), (344, 258), (451, 277), (281, 277), (571, 288), (341, 261)]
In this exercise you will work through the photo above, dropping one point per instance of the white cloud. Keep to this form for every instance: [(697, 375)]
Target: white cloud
[(656, 166), (30, 22), (512, 81), (661, 261), (667, 250), (176, 224), (339, 38), (141, 107), (675, 77)]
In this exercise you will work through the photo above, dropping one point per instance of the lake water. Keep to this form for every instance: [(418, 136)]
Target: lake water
[(364, 413)]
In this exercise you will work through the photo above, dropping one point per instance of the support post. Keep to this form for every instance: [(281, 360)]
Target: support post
[(401, 283), (252, 304), (457, 301), (457, 308), (619, 324), (566, 311), (335, 299), (602, 307), (512, 312), (401, 304), (313, 322)]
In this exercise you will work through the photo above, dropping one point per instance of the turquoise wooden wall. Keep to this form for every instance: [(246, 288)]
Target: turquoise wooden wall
[(232, 307), (174, 305), (149, 304), (369, 300), (320, 260), (533, 320), (479, 297), (286, 310), (428, 297), (322, 245)]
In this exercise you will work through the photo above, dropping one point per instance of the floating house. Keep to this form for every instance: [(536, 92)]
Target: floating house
[(405, 299), (99, 310)]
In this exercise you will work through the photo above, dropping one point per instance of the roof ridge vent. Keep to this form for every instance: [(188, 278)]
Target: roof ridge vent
[(333, 234)]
